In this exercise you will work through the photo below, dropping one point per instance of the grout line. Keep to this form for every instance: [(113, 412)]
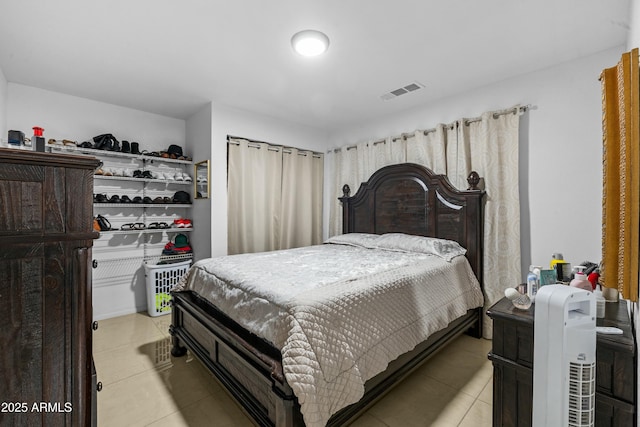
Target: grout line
[(466, 413)]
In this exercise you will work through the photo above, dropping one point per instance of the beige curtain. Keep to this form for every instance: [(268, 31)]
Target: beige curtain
[(488, 145), (254, 196), (301, 210), (274, 197), (621, 172), (429, 148)]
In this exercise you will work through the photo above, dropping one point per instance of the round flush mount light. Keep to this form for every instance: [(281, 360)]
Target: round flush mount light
[(310, 42)]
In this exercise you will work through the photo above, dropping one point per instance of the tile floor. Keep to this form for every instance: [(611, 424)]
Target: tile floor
[(143, 385)]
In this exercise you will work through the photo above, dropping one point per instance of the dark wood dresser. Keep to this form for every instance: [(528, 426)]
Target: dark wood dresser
[(46, 368), (512, 357)]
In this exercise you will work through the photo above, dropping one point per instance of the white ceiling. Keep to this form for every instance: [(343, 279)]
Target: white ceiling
[(173, 56)]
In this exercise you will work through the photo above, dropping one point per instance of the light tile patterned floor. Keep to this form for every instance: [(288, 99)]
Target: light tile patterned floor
[(143, 385)]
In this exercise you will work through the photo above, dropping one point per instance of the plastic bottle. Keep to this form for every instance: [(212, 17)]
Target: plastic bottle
[(600, 303), (580, 280), (532, 285)]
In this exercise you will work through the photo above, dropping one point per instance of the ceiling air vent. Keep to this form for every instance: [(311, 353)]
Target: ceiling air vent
[(401, 91)]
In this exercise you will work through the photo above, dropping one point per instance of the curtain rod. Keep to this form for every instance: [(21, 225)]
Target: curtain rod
[(272, 146), (403, 136)]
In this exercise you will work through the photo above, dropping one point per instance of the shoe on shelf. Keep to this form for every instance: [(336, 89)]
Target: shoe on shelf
[(103, 223), (186, 177), (182, 223), (179, 176)]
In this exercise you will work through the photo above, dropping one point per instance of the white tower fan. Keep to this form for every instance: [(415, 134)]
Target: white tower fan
[(564, 357)]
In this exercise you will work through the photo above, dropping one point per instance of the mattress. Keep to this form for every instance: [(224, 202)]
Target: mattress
[(341, 311)]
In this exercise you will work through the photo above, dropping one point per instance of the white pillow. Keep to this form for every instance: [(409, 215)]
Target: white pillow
[(446, 249), (363, 240)]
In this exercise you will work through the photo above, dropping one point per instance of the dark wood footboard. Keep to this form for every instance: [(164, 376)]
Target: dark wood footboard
[(247, 366), (251, 369)]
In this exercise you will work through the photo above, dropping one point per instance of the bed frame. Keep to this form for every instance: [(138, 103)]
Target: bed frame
[(404, 198)]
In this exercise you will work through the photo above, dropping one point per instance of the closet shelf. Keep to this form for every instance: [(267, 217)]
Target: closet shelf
[(127, 178), (142, 205), (146, 231), (106, 153), (146, 259)]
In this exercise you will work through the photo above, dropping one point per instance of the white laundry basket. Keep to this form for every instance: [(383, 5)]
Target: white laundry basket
[(161, 279)]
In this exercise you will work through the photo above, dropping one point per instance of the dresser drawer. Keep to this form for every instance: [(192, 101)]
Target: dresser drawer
[(512, 393), (513, 341), (613, 413), (615, 373)]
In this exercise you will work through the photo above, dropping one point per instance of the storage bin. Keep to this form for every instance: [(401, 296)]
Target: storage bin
[(161, 278)]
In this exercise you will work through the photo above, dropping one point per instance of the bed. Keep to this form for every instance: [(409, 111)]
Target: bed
[(256, 371)]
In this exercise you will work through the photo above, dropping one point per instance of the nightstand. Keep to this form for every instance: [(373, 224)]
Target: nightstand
[(512, 358)]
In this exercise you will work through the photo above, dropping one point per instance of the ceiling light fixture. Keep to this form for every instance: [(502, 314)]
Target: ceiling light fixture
[(310, 42)]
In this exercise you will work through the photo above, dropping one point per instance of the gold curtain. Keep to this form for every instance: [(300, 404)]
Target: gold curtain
[(621, 172)]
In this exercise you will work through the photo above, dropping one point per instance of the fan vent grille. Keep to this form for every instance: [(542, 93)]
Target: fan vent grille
[(412, 87)]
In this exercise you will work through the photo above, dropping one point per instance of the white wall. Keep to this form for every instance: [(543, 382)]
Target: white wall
[(560, 151), (3, 109), (199, 141), (230, 121), (79, 119)]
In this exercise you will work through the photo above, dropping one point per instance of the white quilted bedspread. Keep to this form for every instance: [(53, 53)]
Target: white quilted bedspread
[(343, 313)]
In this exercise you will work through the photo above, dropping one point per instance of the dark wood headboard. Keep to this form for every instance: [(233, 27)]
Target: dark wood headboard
[(411, 199)]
